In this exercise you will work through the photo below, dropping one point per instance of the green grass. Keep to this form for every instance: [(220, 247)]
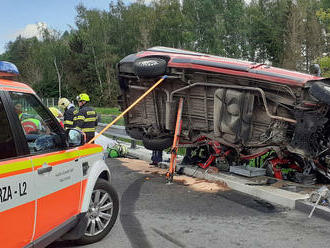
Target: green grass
[(108, 118), (108, 115), (108, 111)]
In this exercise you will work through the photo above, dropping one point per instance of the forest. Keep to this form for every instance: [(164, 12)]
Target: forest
[(291, 34)]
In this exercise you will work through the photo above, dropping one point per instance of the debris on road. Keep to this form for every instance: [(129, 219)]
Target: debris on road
[(193, 183), (319, 196)]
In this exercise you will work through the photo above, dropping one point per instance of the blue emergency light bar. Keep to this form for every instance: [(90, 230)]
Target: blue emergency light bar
[(8, 69)]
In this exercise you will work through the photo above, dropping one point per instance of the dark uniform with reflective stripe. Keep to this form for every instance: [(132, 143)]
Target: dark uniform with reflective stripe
[(69, 115), (86, 121)]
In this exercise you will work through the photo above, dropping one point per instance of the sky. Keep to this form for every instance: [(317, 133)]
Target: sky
[(21, 17)]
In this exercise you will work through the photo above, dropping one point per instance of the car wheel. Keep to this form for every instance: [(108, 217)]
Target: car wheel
[(102, 213), (320, 91), (156, 143), (149, 67)]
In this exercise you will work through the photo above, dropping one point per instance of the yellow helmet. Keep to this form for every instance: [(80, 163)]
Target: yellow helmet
[(55, 112), (83, 97), (63, 103)]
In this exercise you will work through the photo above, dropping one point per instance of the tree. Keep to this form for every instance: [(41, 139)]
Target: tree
[(167, 23)]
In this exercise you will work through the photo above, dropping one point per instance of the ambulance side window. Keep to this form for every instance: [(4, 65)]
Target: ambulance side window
[(41, 130), (7, 144)]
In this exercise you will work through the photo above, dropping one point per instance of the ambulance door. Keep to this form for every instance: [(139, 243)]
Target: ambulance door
[(57, 171), (17, 198)]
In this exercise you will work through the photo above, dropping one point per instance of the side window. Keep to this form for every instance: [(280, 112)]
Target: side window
[(41, 129), (7, 144)]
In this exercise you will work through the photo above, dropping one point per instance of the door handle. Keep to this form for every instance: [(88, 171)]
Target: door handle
[(45, 168)]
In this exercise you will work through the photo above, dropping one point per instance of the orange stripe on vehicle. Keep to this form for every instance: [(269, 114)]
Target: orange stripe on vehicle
[(57, 162), (13, 173), (63, 161), (238, 73), (11, 236), (87, 146)]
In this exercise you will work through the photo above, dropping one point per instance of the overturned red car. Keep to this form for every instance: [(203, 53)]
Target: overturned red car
[(241, 110)]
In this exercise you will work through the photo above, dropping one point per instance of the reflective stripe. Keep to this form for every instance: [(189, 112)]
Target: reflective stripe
[(93, 150), (91, 113), (55, 158), (87, 130), (90, 119), (79, 117), (68, 122), (35, 121), (21, 164)]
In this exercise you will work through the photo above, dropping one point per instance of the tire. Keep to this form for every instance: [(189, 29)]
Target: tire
[(320, 91), (157, 143), (96, 215), (150, 67)]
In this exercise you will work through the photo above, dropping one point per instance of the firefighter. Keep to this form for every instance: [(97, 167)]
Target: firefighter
[(86, 119), (69, 112)]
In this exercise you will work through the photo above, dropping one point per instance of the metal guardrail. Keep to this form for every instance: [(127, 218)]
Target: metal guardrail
[(118, 131)]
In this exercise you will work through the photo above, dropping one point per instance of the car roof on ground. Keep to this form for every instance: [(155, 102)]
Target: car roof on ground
[(179, 58), (10, 85)]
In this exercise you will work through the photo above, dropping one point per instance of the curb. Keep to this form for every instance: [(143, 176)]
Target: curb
[(320, 211), (268, 193)]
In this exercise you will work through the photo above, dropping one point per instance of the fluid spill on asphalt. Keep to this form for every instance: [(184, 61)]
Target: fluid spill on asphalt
[(193, 183)]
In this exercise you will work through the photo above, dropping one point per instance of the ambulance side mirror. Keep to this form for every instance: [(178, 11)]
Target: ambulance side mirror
[(76, 137)]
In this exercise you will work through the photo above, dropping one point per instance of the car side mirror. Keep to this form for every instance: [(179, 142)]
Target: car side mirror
[(76, 137)]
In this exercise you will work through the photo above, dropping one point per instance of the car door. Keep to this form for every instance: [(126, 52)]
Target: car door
[(17, 198), (57, 171)]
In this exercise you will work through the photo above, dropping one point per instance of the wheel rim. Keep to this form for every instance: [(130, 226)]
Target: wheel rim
[(99, 212)]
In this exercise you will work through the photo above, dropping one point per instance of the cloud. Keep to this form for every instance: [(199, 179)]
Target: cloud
[(30, 30)]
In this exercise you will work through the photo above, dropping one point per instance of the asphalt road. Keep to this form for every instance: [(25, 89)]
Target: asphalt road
[(154, 214)]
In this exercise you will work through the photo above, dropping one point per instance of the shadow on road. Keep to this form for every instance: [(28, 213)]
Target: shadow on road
[(130, 223)]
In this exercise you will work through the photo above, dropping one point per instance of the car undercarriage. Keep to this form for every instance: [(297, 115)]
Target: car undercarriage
[(241, 110)]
